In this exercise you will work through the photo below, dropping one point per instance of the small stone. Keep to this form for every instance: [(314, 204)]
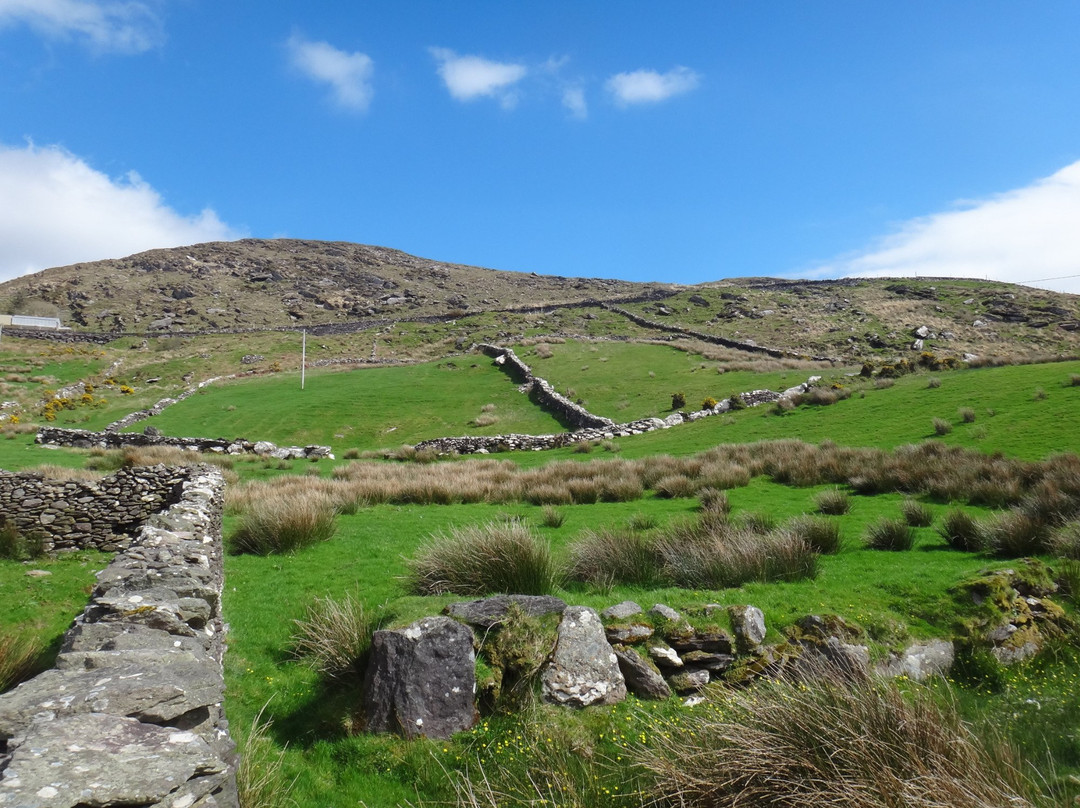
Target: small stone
[(665, 612), (621, 611), (38, 573)]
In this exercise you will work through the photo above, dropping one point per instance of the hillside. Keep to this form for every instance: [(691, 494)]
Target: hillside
[(335, 286), (279, 283)]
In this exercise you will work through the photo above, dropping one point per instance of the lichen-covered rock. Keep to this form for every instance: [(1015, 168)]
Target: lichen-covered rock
[(584, 669), (689, 681), (921, 661), (152, 693), (99, 760), (628, 633), (748, 623), (422, 680)]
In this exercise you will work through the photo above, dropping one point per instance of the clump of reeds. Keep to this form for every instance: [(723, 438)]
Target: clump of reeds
[(916, 514), (961, 530), (608, 556), (476, 560), (20, 658), (334, 636), (890, 534), (821, 534), (833, 502), (284, 525), (835, 740)]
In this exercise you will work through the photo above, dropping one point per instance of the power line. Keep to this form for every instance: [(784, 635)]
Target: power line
[(1058, 278)]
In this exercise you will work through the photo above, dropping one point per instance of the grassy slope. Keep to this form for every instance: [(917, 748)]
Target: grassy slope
[(626, 381), (369, 408)]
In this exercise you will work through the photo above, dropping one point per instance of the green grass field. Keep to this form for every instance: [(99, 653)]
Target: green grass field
[(1026, 412)]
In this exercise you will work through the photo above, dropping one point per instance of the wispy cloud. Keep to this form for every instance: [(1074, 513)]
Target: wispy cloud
[(347, 74), (573, 98), (471, 77), (55, 210), (1030, 235), (120, 26), (650, 87)]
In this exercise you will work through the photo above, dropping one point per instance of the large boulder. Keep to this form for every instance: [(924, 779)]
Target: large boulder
[(583, 669), (422, 680)]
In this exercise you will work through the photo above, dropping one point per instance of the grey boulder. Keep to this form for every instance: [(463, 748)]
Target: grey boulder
[(422, 680)]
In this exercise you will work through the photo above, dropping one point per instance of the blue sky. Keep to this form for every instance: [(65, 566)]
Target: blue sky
[(680, 142)]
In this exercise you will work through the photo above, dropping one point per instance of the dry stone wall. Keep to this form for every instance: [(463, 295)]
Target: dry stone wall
[(85, 439), (132, 712), (565, 410), (105, 515)]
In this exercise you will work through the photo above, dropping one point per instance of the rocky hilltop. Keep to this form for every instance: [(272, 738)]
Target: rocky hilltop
[(255, 283), (338, 287)]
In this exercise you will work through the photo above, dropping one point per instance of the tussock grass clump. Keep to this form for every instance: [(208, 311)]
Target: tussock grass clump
[(821, 534), (837, 740), (726, 555), (606, 557), (941, 426), (552, 517), (916, 514), (966, 414), (961, 530), (890, 534), (1014, 534), (20, 658), (642, 521), (334, 636), (675, 486), (1064, 541), (486, 559), (833, 502), (284, 525), (714, 501), (933, 383)]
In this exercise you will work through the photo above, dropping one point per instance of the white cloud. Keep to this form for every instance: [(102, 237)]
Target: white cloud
[(650, 87), (471, 77), (57, 210), (348, 74), (118, 26), (573, 98), (1030, 235)]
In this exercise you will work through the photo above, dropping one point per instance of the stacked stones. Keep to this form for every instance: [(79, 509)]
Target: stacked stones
[(84, 439), (70, 515), (132, 712), (421, 679)]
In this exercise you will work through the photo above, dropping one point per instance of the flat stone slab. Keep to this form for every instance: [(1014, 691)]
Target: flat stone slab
[(154, 694), (97, 760), (489, 612)]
